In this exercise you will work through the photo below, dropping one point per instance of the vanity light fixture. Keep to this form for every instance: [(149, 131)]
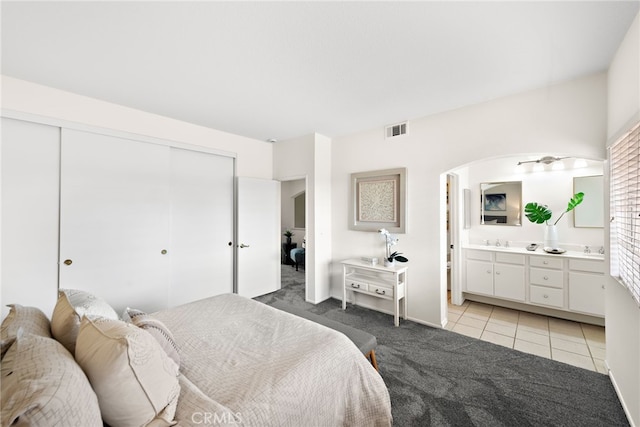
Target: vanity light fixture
[(539, 164), (546, 160)]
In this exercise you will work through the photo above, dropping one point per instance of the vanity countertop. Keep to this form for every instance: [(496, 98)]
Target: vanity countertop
[(538, 251)]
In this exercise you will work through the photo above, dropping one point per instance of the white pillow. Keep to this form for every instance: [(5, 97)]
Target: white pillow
[(136, 382), (72, 304), (32, 321), (42, 385), (158, 330)]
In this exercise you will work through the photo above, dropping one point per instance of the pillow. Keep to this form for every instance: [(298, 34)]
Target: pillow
[(158, 330), (72, 304), (42, 385), (31, 319), (135, 381)]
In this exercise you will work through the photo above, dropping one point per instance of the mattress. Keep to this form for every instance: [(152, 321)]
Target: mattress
[(245, 363)]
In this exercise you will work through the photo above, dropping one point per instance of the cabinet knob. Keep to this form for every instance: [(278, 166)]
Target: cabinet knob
[(545, 262), (67, 262), (488, 271), (497, 273), (546, 296), (546, 277), (378, 291), (602, 286), (353, 285)]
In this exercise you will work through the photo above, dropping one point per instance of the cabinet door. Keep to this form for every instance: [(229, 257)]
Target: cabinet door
[(201, 248), (480, 277), (509, 282), (586, 293), (114, 219), (30, 205)]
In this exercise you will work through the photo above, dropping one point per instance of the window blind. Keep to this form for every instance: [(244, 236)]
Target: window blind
[(624, 160)]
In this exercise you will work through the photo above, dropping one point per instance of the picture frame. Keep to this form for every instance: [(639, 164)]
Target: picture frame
[(378, 200), (496, 202)]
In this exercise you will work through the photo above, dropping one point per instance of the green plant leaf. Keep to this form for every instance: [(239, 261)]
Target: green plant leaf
[(537, 213), (575, 201)]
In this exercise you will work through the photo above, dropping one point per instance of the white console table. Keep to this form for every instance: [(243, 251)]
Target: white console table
[(389, 283)]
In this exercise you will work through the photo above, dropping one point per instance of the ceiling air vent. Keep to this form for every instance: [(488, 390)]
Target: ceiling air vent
[(396, 130)]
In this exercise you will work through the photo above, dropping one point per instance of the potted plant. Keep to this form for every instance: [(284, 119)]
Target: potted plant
[(288, 234), (540, 214), (390, 240)]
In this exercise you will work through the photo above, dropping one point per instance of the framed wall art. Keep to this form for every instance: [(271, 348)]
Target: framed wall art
[(378, 200)]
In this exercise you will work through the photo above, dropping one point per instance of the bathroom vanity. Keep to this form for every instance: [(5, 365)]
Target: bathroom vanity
[(570, 284)]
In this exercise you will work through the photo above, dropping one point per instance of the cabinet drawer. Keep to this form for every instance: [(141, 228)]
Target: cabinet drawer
[(545, 262), (510, 258), (545, 277), (586, 265), (356, 285), (479, 255), (381, 291), (546, 296)]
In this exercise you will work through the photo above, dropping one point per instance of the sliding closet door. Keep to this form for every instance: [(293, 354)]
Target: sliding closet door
[(201, 225), (114, 219), (30, 190)]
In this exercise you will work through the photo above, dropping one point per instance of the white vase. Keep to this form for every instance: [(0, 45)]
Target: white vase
[(388, 263), (551, 237)]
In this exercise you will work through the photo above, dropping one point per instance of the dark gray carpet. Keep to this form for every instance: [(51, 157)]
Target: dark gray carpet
[(440, 378)]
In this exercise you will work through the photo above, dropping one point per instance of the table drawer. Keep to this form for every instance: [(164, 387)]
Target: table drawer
[(381, 290), (546, 296), (542, 276), (356, 285)]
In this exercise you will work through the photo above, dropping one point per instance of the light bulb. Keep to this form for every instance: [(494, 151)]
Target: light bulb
[(538, 167), (580, 163), (558, 165)]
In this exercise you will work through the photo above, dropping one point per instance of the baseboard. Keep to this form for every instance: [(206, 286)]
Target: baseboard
[(620, 398)]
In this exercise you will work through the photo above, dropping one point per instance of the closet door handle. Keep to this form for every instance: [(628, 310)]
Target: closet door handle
[(68, 262), (242, 245)]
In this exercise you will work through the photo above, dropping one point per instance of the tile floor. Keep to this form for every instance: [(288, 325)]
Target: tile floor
[(575, 343)]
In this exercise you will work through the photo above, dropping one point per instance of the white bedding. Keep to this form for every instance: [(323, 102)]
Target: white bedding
[(246, 363)]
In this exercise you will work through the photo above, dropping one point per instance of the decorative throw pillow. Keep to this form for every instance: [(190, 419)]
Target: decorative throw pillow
[(31, 319), (135, 381), (72, 304), (42, 385), (158, 330)]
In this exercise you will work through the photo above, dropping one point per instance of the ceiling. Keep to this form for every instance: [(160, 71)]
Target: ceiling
[(286, 69)]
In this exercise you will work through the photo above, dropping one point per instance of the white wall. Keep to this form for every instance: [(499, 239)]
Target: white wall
[(568, 117), (310, 156), (253, 157), (622, 314)]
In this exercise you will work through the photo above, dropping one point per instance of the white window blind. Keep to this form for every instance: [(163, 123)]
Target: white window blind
[(624, 158)]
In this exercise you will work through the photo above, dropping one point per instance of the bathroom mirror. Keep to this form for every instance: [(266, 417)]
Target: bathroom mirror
[(590, 213), (501, 203)]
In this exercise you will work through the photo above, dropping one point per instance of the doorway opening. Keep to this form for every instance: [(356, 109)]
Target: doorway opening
[(294, 220)]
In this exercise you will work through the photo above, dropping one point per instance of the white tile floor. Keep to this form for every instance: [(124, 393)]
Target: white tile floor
[(575, 343)]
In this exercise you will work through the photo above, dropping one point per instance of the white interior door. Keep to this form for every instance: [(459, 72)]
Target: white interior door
[(114, 219), (30, 202), (201, 225), (258, 243)]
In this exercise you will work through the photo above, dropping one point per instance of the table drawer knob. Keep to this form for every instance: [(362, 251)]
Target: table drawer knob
[(379, 292), (354, 285), (546, 296), (546, 277)]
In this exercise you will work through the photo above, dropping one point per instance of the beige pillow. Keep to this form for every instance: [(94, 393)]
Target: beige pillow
[(136, 382), (158, 330), (72, 304), (31, 319), (42, 385)]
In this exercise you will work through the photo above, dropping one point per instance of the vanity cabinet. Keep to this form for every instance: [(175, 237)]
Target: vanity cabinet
[(586, 287), (572, 282), (496, 274)]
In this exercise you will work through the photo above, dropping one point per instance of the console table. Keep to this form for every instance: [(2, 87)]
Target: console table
[(389, 283), (286, 251)]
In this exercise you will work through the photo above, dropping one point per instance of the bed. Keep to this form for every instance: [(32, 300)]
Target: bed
[(242, 362)]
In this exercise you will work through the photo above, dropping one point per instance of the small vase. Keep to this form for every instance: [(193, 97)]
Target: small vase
[(551, 237), (388, 263), (289, 241)]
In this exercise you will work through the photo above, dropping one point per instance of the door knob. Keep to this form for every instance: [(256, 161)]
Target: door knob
[(242, 245), (67, 262), (163, 252)]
